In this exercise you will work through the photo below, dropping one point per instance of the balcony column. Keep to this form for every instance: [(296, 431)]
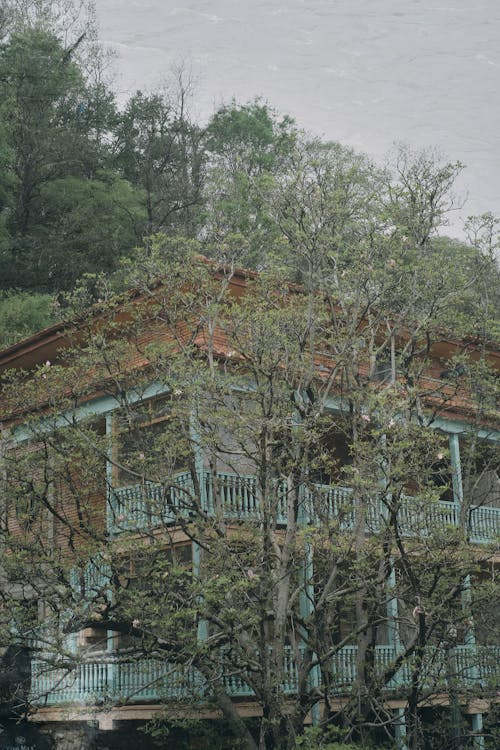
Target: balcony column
[(202, 626), (393, 637), (456, 469), (469, 635), (400, 729), (194, 436), (110, 503), (392, 611), (112, 665), (202, 630), (111, 637), (458, 494), (470, 639), (477, 728)]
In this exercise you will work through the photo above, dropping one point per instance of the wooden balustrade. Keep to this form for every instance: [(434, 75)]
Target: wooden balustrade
[(113, 678), (235, 496)]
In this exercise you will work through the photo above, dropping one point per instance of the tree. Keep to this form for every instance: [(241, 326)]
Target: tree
[(249, 147), (54, 121), (160, 151), (87, 227), (282, 445), (4, 187), (421, 198)]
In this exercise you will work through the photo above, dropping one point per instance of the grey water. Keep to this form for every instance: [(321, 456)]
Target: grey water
[(367, 73)]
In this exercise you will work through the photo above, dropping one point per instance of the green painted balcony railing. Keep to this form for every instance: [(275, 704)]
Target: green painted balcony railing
[(234, 496), (117, 679), (90, 581)]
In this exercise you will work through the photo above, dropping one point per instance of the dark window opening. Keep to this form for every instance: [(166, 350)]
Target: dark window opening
[(152, 443), (328, 466), (441, 478), (145, 578), (480, 463)]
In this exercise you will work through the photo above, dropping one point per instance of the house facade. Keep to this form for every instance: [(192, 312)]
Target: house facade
[(213, 510)]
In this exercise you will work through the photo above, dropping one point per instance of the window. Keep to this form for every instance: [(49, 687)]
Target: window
[(480, 462), (152, 591), (93, 640), (26, 487), (152, 442), (327, 467), (441, 478), (27, 508), (383, 370), (485, 604)]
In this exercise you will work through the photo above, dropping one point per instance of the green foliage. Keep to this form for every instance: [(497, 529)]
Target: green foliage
[(421, 197), (43, 103), (327, 206), (53, 123), (23, 313), (6, 185), (161, 152), (87, 226), (213, 733), (250, 137), (329, 738), (84, 225), (248, 147)]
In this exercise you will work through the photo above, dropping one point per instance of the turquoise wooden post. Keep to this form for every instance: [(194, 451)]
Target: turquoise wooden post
[(306, 598), (400, 729), (202, 624), (196, 447), (477, 728), (110, 504), (392, 611), (470, 636), (456, 469), (473, 669), (202, 629), (458, 494), (393, 621), (470, 639), (392, 602)]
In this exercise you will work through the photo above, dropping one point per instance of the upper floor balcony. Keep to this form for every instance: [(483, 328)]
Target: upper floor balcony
[(236, 497)]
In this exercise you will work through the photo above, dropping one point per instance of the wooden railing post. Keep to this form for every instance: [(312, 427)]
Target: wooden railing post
[(477, 728), (456, 472), (393, 636), (202, 624), (400, 729), (110, 498)]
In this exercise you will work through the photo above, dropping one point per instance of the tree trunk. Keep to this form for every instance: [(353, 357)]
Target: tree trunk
[(234, 720)]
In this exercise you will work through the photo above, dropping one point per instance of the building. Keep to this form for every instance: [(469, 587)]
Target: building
[(210, 506)]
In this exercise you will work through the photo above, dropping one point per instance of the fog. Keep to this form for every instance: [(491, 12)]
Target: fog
[(367, 73)]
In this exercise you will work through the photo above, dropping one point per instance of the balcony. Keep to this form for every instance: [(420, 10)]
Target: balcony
[(236, 497), (116, 679)]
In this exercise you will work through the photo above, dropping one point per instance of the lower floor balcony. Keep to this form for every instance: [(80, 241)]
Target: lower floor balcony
[(117, 679), (236, 497)]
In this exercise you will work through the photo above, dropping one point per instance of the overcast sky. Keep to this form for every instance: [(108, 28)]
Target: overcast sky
[(367, 73)]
